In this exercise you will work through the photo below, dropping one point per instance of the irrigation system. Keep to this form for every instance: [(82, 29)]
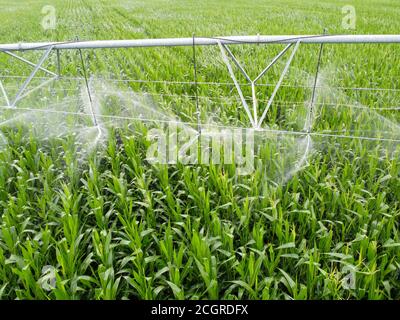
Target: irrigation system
[(292, 44), (201, 41)]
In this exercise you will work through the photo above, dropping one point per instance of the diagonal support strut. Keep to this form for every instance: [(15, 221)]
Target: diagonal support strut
[(29, 62), (239, 90), (278, 85), (29, 79), (4, 93)]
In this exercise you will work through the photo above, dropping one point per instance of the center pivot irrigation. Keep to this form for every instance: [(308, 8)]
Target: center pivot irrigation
[(292, 41), (255, 113)]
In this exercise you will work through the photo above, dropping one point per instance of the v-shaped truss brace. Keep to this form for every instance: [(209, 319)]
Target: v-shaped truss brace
[(22, 92), (253, 117)]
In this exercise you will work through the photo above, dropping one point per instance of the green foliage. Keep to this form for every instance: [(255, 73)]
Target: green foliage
[(115, 227)]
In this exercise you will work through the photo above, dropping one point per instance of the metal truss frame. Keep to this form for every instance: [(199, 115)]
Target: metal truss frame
[(253, 117), (291, 41), (22, 90)]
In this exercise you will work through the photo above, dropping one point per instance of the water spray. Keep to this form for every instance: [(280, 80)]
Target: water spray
[(291, 146)]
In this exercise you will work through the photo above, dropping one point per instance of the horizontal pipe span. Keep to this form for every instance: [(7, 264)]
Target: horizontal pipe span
[(203, 41)]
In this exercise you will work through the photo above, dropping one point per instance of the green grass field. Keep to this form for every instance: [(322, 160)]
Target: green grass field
[(80, 220)]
